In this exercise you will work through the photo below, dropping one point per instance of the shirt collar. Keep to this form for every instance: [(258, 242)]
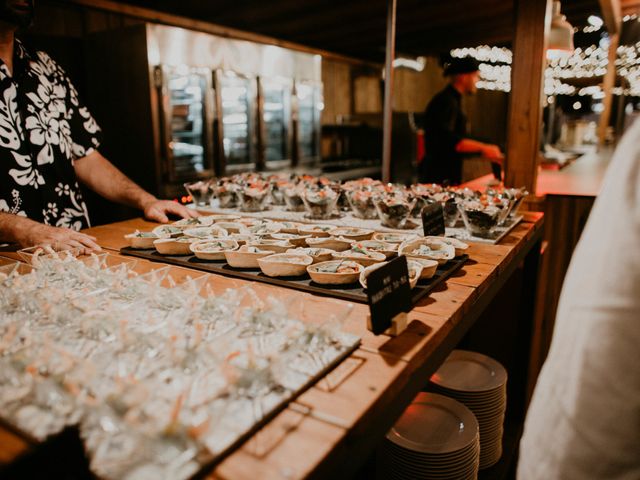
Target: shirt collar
[(454, 91), (21, 60)]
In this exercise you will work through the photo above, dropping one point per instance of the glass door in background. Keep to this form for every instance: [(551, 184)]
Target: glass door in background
[(188, 152), (236, 97), (308, 97), (276, 117)]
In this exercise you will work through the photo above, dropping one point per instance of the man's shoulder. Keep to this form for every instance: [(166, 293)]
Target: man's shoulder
[(51, 66), (39, 60), (441, 99)]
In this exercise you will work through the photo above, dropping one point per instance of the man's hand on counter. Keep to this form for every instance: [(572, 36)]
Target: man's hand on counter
[(158, 210), (492, 152), (487, 150), (29, 233)]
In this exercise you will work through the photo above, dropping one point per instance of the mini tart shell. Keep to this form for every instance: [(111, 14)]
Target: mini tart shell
[(225, 218), (291, 227), (409, 247), (171, 246), (309, 230), (141, 242), (296, 241), (161, 231), (276, 265), (380, 236), (331, 243), (328, 278), (243, 238), (429, 267), (276, 246), (323, 256), (365, 273), (205, 221), (359, 234), (206, 232), (266, 227), (242, 259), (233, 227), (389, 250), (459, 245), (376, 257), (217, 255)]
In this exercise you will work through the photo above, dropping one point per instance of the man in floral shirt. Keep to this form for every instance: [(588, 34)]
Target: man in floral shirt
[(49, 141)]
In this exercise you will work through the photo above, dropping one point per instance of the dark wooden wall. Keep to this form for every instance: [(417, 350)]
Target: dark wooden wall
[(60, 29)]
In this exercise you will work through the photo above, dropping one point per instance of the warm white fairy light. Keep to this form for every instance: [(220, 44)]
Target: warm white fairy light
[(583, 63), (485, 53)]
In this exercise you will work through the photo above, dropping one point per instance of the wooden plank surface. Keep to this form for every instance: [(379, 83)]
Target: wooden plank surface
[(306, 444), (582, 178), (11, 446), (325, 421)]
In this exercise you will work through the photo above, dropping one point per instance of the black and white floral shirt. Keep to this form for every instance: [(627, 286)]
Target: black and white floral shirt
[(43, 130)]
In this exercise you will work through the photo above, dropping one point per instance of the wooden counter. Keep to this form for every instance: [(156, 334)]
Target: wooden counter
[(332, 428), (582, 178)]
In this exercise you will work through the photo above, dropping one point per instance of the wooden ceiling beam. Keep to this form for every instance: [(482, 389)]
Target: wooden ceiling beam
[(498, 32), (413, 19), (306, 15), (267, 12), (287, 17), (362, 34), (355, 28), (325, 24), (149, 15)]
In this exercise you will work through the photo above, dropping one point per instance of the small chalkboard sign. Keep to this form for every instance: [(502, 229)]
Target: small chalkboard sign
[(433, 220), (389, 293)]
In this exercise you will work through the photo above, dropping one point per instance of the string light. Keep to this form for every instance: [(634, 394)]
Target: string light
[(588, 63), (485, 53)]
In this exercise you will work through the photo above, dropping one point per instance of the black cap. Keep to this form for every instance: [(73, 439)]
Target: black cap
[(461, 65)]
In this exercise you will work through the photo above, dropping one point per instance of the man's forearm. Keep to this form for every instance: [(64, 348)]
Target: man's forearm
[(467, 145), (28, 233), (9, 225), (100, 175)]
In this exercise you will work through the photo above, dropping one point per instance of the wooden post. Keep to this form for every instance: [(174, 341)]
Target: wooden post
[(388, 91), (612, 15), (532, 21), (607, 87), (260, 127)]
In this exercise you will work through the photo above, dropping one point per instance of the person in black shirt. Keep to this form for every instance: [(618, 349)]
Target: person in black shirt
[(48, 143), (445, 127)]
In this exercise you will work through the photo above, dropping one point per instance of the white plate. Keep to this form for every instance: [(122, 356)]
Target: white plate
[(470, 372), (433, 462), (434, 424)]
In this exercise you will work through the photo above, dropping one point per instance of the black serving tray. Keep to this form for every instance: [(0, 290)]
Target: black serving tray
[(352, 292)]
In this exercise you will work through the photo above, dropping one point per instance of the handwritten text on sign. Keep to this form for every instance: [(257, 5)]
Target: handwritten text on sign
[(389, 293)]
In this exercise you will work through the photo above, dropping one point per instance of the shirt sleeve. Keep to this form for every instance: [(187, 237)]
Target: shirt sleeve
[(86, 135)]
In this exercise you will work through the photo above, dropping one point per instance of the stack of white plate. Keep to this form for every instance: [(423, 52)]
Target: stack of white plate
[(435, 438), (480, 383)]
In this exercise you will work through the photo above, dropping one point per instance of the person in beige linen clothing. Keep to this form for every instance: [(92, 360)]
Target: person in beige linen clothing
[(584, 418)]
